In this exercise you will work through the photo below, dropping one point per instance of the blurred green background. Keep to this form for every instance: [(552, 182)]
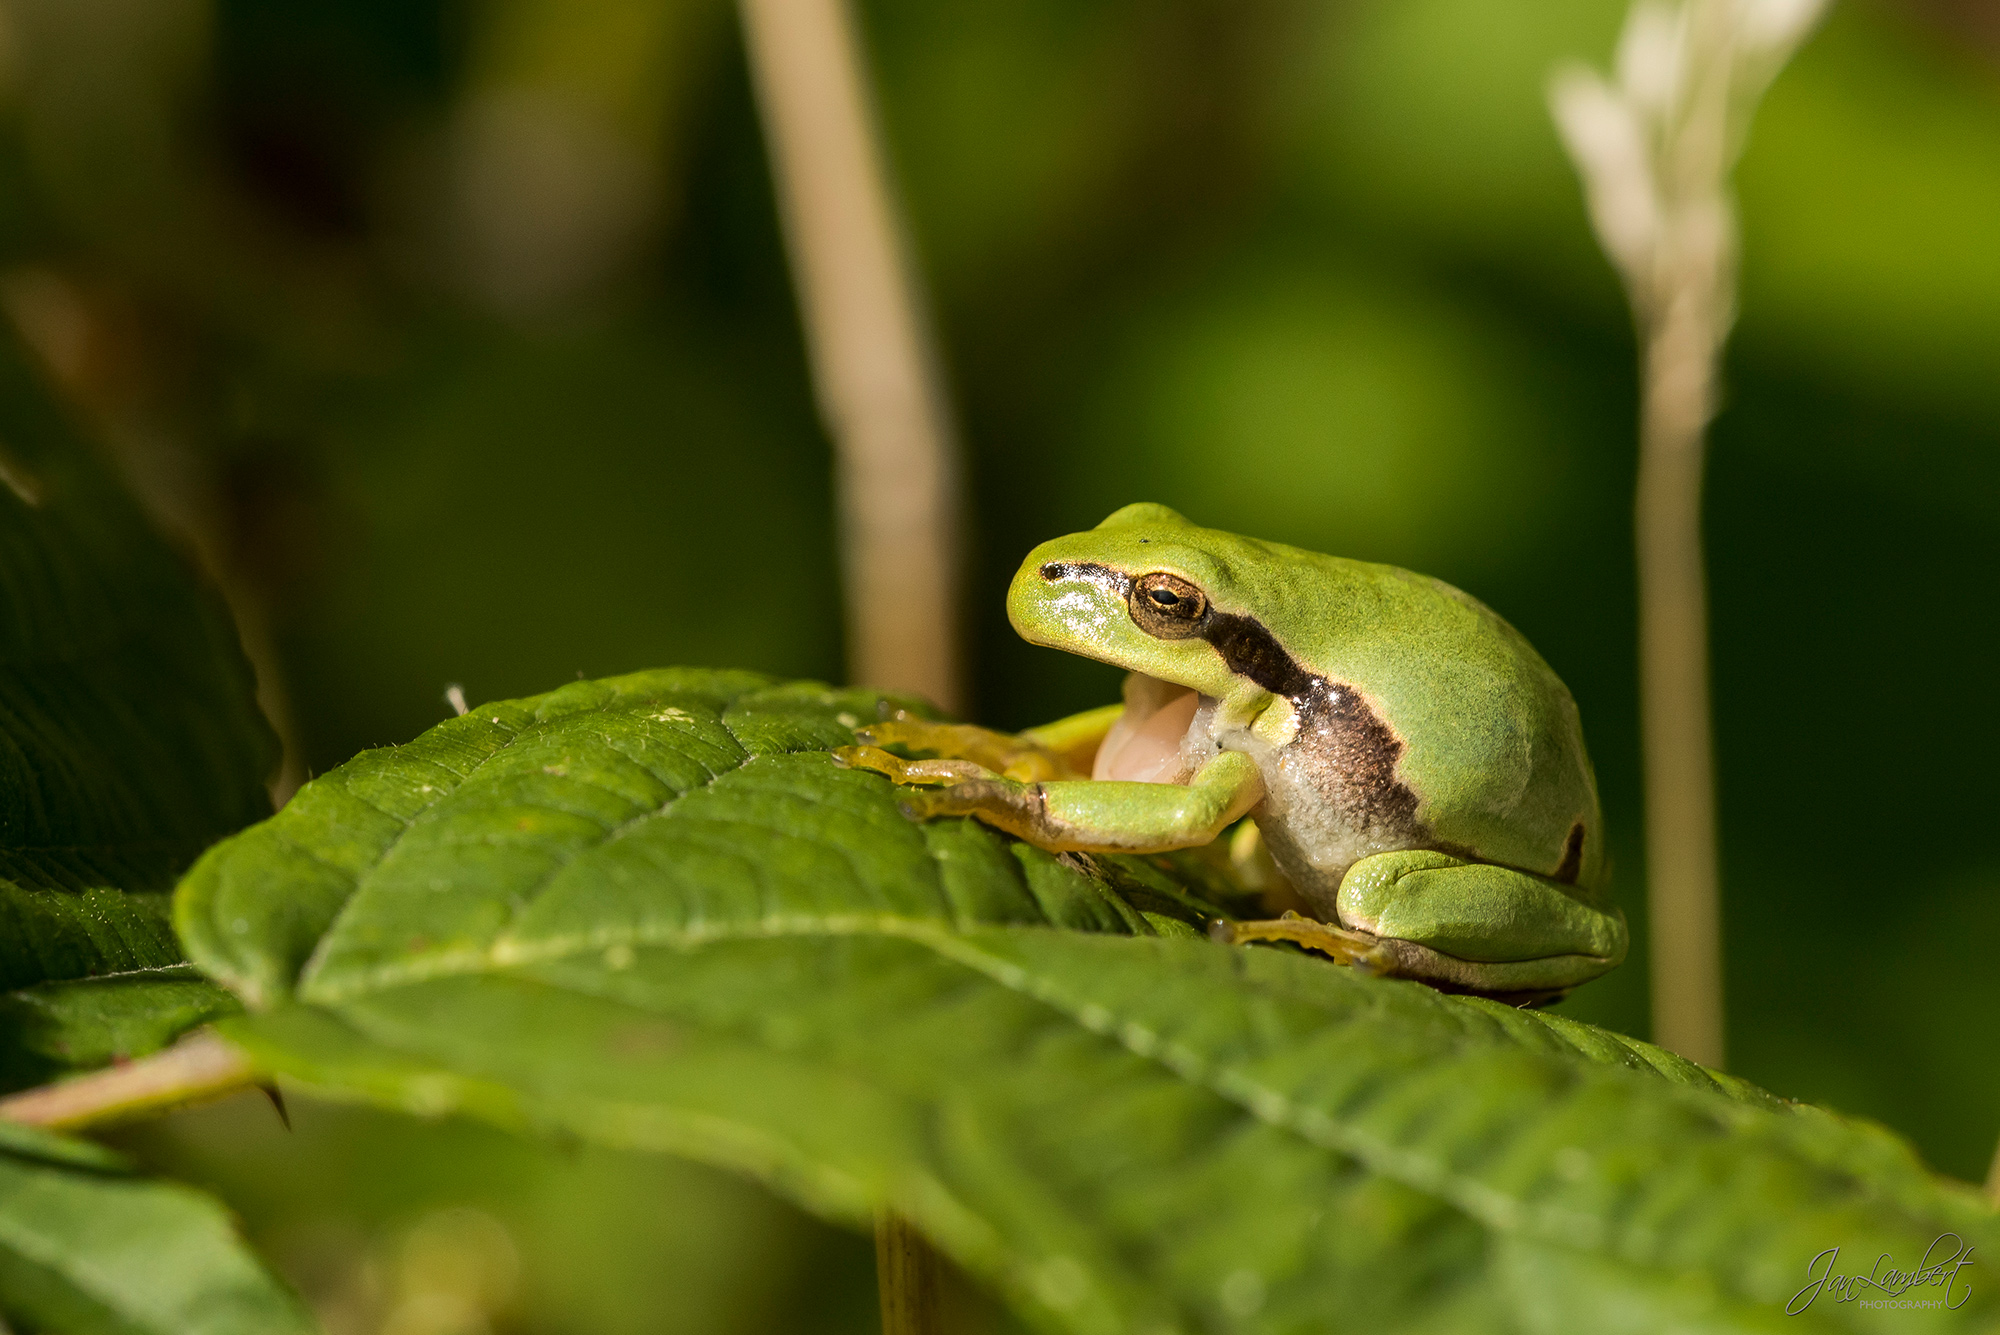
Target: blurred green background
[(458, 338)]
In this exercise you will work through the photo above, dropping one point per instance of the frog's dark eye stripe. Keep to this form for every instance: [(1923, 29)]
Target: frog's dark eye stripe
[(1172, 608), (1250, 650), (1053, 571)]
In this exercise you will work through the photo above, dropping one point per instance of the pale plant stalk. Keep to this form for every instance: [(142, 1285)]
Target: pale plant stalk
[(1656, 145), (200, 1067), (875, 369), (1684, 894), (876, 375)]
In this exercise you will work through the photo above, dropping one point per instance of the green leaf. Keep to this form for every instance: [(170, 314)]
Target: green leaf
[(129, 735), (88, 1250), (53, 1029), (651, 912)]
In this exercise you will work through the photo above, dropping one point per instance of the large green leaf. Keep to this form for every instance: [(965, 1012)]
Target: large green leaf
[(650, 911), (87, 1249), (129, 735)]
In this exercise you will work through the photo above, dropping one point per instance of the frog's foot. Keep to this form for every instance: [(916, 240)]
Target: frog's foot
[(1020, 809), (1017, 758), (912, 772), (1356, 948), (956, 788)]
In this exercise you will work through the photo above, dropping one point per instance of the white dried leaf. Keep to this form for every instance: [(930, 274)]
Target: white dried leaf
[(1607, 140), (1651, 57), (1772, 28)]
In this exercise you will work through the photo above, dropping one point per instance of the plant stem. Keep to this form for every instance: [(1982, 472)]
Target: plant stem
[(1683, 909), (875, 370), (200, 1067), (1685, 314), (906, 1273), (1655, 147)]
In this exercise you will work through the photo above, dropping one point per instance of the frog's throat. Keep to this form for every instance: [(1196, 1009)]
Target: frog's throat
[(1141, 724), (1146, 696)]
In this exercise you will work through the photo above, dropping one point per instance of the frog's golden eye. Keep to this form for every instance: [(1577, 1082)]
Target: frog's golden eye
[(1167, 606)]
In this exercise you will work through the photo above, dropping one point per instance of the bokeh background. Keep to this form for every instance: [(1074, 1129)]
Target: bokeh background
[(457, 338)]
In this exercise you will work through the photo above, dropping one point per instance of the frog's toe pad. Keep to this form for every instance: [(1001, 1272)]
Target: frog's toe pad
[(868, 758)]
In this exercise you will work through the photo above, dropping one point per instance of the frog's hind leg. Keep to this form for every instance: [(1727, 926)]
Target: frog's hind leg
[(1461, 926), (1502, 923)]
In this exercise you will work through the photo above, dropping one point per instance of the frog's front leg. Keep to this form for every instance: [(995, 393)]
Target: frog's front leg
[(1101, 816)]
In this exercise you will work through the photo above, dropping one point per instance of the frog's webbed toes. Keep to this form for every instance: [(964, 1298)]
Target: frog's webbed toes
[(997, 752), (886, 734), (927, 772), (906, 730), (1356, 948)]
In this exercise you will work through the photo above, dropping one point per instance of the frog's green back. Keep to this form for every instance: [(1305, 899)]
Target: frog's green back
[(1492, 743)]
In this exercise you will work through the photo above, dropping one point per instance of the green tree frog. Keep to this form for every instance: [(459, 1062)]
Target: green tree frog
[(1414, 768)]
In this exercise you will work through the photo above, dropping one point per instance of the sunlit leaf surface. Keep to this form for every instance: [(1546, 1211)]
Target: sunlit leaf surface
[(651, 912)]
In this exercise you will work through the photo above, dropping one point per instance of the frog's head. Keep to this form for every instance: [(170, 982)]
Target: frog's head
[(1146, 591)]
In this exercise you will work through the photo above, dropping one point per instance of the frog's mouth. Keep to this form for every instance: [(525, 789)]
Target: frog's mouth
[(1145, 744)]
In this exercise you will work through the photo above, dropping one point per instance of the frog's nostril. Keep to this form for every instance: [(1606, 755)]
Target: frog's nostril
[(1053, 571)]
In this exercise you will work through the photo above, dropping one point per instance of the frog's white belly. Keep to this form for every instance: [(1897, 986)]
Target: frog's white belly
[(1322, 811)]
